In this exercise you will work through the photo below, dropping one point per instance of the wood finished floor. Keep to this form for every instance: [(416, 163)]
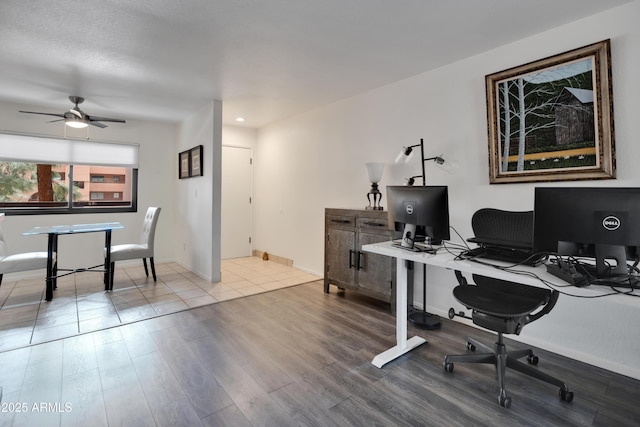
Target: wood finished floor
[(291, 357), (81, 305)]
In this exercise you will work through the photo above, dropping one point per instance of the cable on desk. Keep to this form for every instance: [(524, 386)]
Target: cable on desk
[(552, 286), (629, 281)]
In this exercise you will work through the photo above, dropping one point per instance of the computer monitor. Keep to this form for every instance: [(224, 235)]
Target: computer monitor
[(601, 223), (420, 213)]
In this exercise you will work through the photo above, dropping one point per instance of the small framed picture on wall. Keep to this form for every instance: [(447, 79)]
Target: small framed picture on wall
[(196, 161), (184, 159)]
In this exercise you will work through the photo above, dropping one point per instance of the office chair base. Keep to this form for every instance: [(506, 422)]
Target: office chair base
[(502, 359)]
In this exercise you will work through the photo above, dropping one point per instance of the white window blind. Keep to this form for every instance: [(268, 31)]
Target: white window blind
[(38, 149)]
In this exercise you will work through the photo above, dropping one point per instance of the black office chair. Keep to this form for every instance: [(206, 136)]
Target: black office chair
[(504, 307), (504, 226)]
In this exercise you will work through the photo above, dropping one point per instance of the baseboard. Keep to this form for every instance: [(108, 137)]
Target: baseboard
[(275, 258)]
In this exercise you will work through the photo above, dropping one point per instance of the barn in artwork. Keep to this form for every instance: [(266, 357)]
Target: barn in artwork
[(574, 116)]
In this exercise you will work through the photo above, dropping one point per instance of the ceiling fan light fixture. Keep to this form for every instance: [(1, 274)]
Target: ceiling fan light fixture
[(76, 123)]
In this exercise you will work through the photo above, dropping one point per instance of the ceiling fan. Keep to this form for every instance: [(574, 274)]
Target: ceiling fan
[(77, 118)]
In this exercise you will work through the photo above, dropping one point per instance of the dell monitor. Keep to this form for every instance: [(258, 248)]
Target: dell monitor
[(420, 213), (601, 223)]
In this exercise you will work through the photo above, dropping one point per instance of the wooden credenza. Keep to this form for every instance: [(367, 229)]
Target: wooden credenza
[(346, 265)]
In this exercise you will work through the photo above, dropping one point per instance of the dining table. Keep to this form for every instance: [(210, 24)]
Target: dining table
[(54, 231)]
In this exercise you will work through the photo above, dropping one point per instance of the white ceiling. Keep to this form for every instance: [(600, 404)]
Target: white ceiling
[(266, 60)]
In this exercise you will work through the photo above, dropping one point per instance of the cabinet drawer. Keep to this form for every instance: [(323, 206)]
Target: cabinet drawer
[(372, 225), (339, 221)]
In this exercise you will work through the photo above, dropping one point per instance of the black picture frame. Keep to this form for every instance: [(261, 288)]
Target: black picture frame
[(195, 161), (184, 164)]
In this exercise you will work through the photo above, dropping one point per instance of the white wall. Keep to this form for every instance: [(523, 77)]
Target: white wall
[(156, 177), (197, 225), (316, 160), (237, 136)]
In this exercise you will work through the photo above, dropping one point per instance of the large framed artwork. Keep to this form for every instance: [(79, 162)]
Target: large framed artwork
[(552, 119)]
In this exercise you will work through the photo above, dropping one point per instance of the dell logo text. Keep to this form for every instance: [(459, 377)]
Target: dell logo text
[(611, 223), (409, 209)]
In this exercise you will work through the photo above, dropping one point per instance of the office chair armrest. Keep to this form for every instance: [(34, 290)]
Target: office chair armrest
[(461, 279), (553, 299)]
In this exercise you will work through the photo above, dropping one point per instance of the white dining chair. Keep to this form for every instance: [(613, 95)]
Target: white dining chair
[(23, 261), (143, 250)]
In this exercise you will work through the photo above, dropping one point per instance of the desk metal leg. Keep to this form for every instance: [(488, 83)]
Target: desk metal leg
[(107, 260), (422, 319), (403, 345)]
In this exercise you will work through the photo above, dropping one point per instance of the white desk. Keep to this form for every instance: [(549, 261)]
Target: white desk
[(447, 260)]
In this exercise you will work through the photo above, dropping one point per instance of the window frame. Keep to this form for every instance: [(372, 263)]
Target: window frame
[(71, 207)]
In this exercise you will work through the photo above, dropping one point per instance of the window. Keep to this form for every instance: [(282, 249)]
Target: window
[(108, 178), (46, 175)]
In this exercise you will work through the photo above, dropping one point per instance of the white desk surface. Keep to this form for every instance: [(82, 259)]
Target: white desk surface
[(534, 276)]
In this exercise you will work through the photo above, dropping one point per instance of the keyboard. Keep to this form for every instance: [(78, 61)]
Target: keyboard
[(500, 253)]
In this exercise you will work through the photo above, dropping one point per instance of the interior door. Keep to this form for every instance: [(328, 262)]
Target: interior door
[(236, 202)]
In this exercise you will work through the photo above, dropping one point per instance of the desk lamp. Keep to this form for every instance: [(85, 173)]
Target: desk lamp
[(422, 319), (407, 153), (374, 170)]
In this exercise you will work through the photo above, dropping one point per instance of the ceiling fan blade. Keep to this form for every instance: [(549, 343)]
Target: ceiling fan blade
[(44, 114), (53, 121), (97, 124), (104, 119)]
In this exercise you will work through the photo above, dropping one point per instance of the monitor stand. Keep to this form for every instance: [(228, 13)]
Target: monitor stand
[(409, 240), (408, 237), (615, 252)]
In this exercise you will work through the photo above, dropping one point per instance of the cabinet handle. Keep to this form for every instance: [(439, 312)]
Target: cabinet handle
[(351, 253), (341, 221), (374, 224), (360, 260)]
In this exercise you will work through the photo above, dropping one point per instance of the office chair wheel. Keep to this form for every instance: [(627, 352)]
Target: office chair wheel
[(533, 360), (471, 347), (566, 395), (504, 401), (448, 366)]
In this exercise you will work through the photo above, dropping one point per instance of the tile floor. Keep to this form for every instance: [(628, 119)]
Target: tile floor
[(81, 305)]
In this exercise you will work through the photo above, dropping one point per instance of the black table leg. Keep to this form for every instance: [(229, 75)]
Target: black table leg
[(55, 264), (51, 244), (107, 260)]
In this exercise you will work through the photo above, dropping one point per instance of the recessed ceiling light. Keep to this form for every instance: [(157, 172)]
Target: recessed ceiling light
[(239, 119)]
